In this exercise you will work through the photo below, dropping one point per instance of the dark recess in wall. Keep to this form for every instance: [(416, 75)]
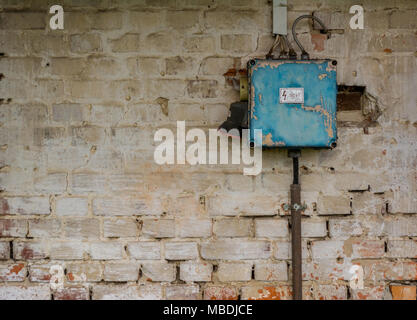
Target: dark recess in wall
[(349, 97)]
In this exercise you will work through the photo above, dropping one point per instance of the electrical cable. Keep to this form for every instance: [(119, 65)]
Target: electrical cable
[(292, 54), (304, 54), (282, 41), (283, 54), (276, 41)]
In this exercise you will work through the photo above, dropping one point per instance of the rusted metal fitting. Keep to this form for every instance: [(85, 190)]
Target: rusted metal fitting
[(296, 207)]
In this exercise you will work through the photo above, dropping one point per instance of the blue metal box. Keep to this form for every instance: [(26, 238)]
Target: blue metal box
[(293, 102)]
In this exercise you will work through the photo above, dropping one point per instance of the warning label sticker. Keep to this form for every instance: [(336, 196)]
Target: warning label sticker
[(291, 95)]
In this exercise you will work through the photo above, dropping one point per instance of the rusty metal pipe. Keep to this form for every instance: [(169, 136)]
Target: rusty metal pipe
[(295, 170), (296, 228)]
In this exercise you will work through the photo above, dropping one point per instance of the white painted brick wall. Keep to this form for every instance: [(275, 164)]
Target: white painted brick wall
[(80, 187)]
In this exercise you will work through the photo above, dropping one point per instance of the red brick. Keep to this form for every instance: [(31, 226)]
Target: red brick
[(403, 292), (267, 293), (72, 294)]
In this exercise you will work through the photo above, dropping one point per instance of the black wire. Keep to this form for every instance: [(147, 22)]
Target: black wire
[(295, 36)]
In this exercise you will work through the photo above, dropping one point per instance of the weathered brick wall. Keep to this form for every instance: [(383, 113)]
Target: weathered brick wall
[(80, 189)]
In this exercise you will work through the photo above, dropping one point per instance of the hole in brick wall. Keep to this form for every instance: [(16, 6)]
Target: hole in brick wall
[(349, 97), (357, 107)]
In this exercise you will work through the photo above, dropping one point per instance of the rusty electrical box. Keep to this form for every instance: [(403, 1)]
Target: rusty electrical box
[(293, 102)]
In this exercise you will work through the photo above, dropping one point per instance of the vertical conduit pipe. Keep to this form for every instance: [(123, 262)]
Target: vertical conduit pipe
[(296, 228)]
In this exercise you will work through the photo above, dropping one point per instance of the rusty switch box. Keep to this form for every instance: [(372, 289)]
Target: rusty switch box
[(293, 102)]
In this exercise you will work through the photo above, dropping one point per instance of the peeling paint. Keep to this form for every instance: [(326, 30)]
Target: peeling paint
[(17, 268), (272, 293), (308, 124), (267, 140), (328, 121)]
